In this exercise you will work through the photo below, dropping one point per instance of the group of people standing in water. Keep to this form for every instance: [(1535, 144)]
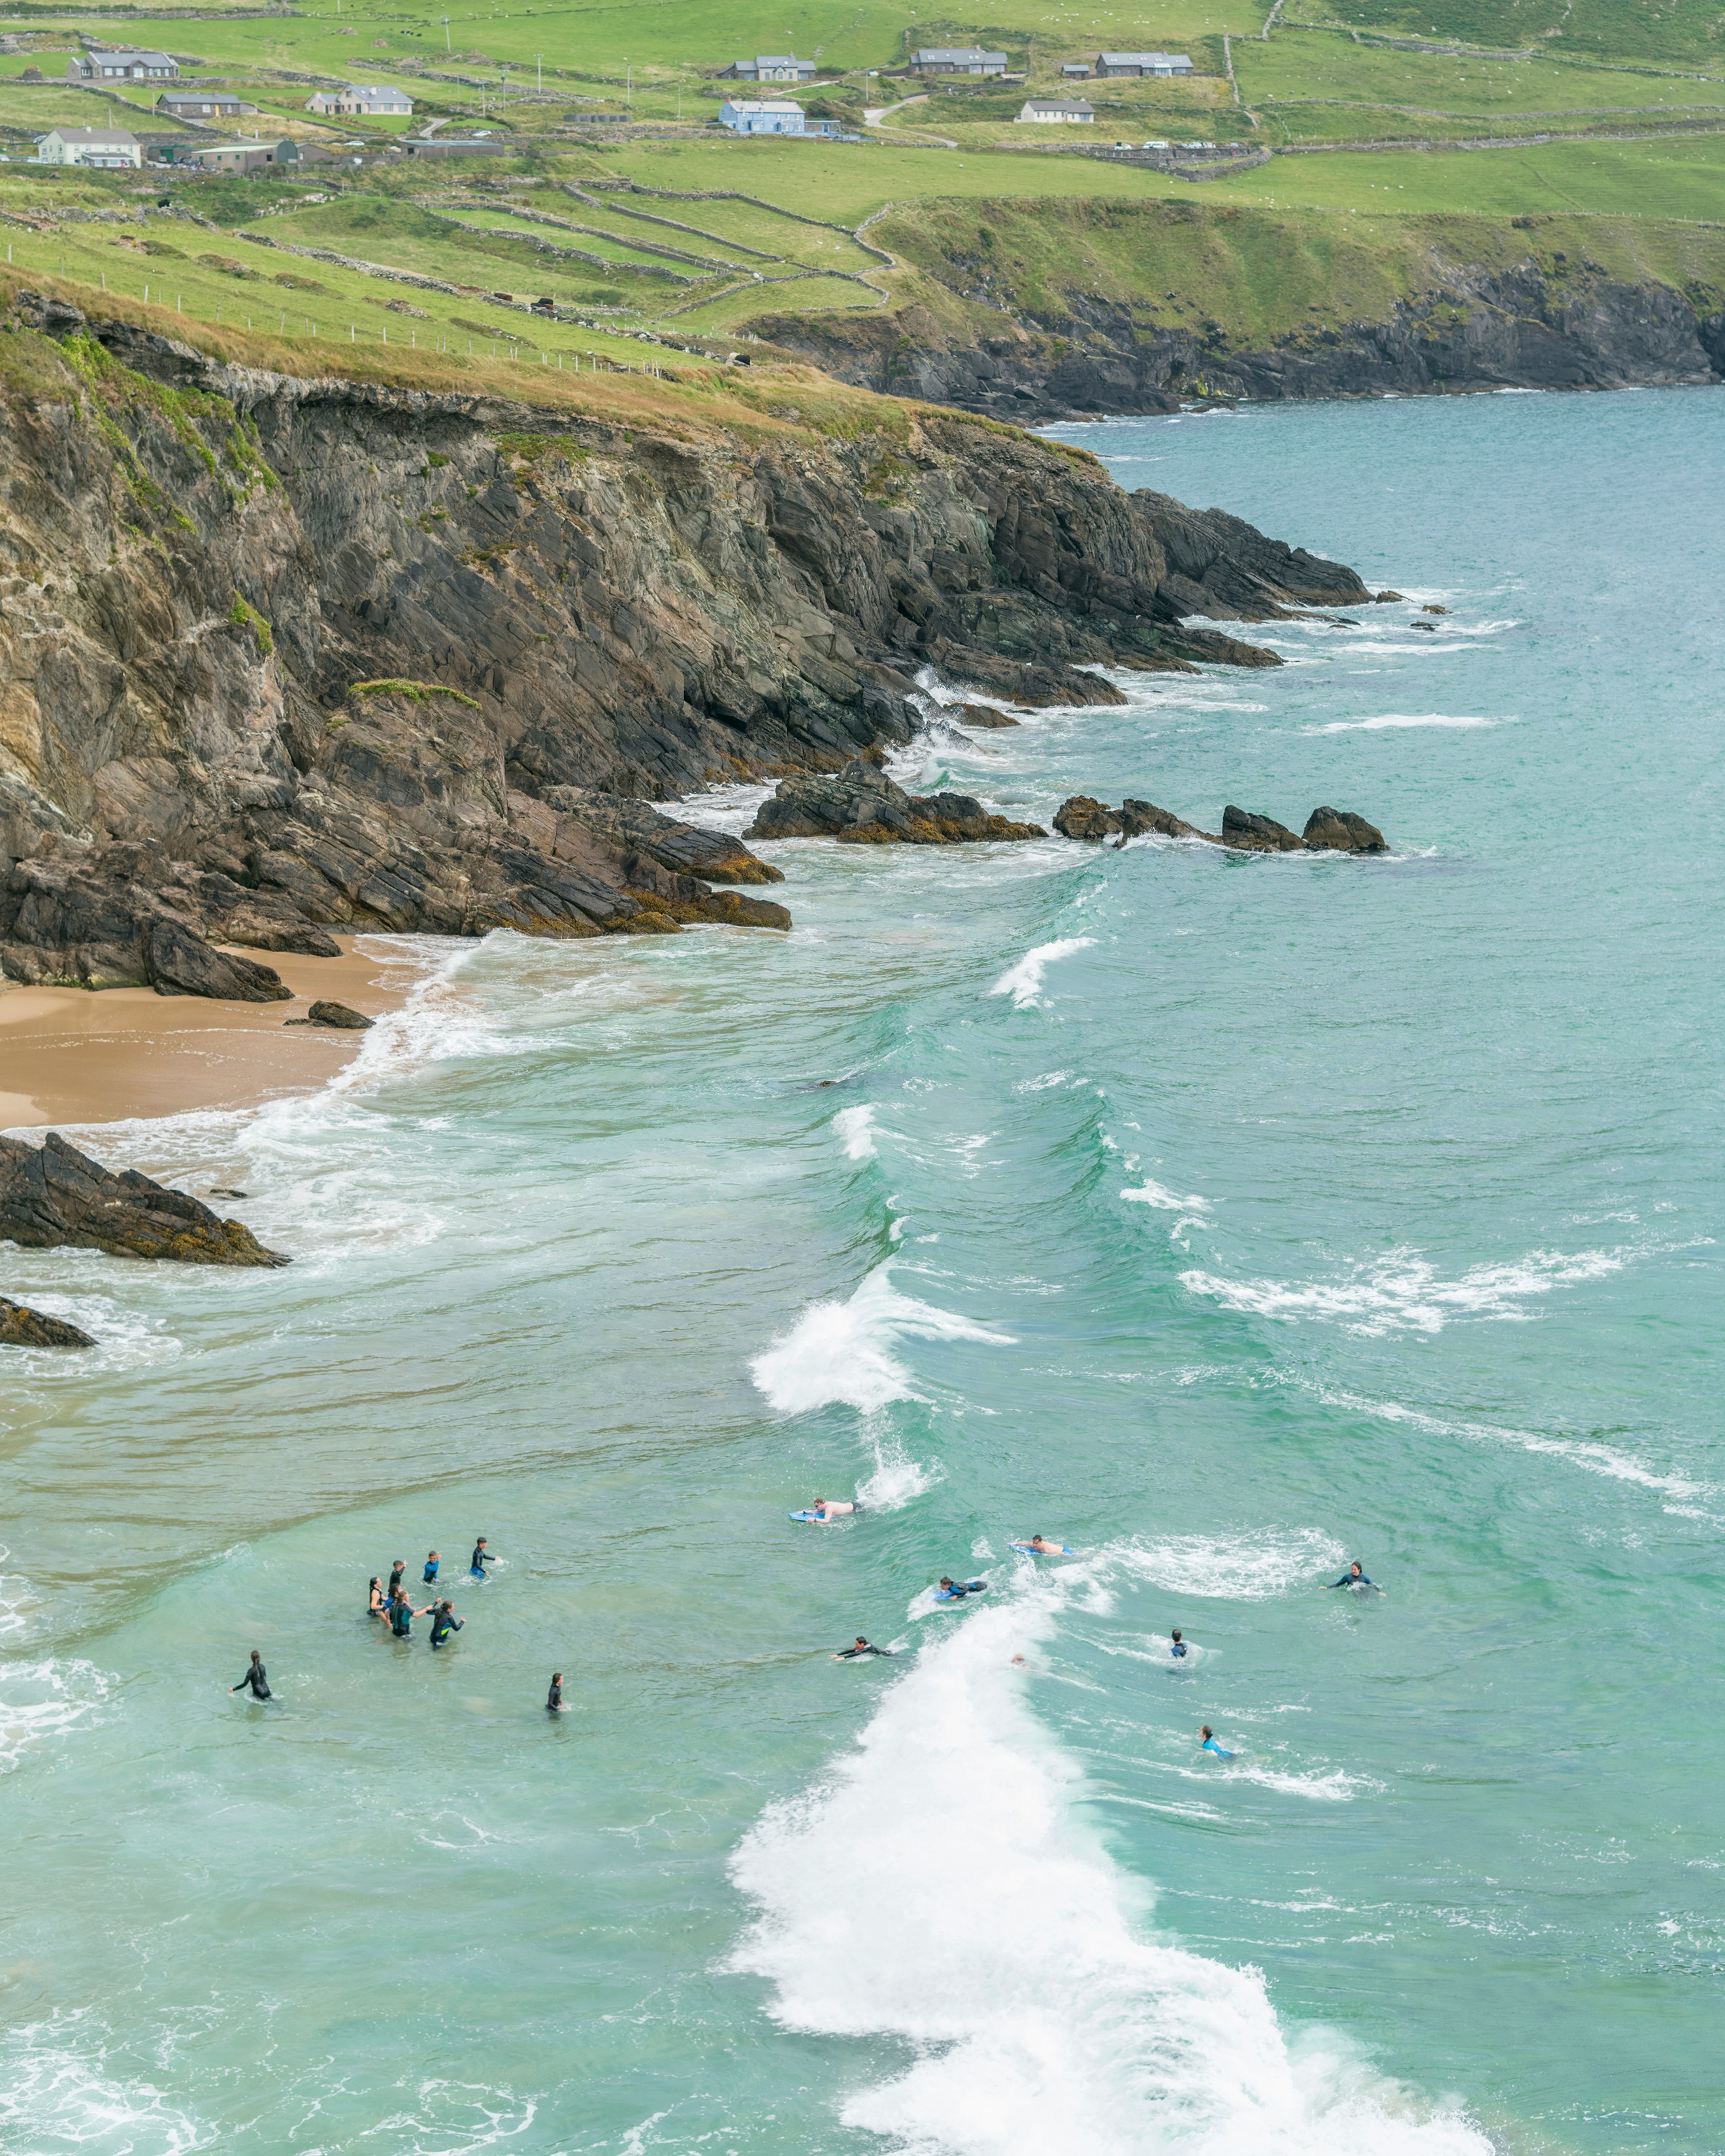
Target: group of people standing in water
[(394, 1605), (825, 1509)]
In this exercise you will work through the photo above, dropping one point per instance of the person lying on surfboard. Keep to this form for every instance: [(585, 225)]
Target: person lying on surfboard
[(832, 1508), (855, 1654)]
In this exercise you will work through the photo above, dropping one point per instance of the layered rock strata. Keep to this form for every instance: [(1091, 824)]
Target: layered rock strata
[(281, 658), (54, 1197)]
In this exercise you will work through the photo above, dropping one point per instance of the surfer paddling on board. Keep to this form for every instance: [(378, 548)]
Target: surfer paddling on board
[(860, 1651), (1353, 1576), (1043, 1547), (833, 1508)]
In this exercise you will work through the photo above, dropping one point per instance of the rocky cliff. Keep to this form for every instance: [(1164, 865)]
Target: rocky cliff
[(1519, 327), (280, 656)]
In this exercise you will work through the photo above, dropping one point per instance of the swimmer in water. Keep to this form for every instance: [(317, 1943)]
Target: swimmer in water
[(828, 1508), (862, 1648), (1179, 1650), (1046, 1549), (1209, 1743), (402, 1614), (481, 1558), (1353, 1576), (554, 1698), (255, 1678), (375, 1603), (431, 1565), (443, 1621)]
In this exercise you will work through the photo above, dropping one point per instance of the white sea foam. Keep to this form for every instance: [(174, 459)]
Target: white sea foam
[(1389, 719), (856, 1128), (844, 1350), (999, 1939), (1401, 1292), (1237, 1567), (41, 1699), (896, 1478), (1152, 1193), (1023, 982), (50, 2093)]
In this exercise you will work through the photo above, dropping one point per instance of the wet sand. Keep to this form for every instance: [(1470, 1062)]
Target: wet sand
[(68, 1056)]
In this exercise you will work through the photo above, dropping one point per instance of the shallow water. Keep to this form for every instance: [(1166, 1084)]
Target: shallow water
[(1224, 1217)]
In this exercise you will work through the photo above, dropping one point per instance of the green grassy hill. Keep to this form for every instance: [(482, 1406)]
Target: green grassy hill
[(1392, 150)]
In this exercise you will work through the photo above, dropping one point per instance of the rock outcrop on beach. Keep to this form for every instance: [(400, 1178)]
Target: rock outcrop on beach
[(52, 1197), (342, 1016), (1327, 830), (283, 658), (21, 1327), (863, 806)]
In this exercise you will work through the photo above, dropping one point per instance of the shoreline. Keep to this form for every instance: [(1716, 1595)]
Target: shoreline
[(77, 1055)]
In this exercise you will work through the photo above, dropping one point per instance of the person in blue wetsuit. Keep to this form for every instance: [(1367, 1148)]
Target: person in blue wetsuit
[(255, 1678), (1353, 1576), (1209, 1743), (481, 1558), (431, 1565), (1179, 1650), (955, 1590), (444, 1622)]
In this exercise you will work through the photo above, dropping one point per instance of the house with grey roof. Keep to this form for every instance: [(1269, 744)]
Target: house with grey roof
[(956, 59), (99, 69), (109, 149), (771, 67), (198, 105), (1142, 63), (1059, 110)]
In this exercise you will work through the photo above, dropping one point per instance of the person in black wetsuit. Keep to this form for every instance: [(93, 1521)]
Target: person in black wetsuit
[(554, 1698), (376, 1606), (860, 1650), (402, 1614), (396, 1570), (1353, 1576), (481, 1558), (255, 1678), (443, 1621)]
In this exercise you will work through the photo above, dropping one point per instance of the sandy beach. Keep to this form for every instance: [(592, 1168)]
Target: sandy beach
[(70, 1055)]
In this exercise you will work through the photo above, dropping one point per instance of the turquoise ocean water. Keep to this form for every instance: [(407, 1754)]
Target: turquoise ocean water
[(1226, 1218)]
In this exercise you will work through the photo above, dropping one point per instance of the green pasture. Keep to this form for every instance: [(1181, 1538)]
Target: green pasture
[(1678, 34)]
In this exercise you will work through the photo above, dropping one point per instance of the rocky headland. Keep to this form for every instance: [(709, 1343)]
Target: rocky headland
[(283, 658)]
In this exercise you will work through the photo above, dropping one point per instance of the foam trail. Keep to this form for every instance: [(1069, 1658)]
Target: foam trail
[(43, 1698), (1072, 2034), (49, 2094), (1153, 1194), (856, 1128), (1400, 719), (1402, 1293), (896, 1479), (1023, 982), (844, 1350)]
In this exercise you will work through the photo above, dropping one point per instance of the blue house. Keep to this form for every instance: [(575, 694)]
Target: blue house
[(761, 115)]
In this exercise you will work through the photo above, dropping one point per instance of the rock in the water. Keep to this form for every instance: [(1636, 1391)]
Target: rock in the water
[(1340, 831), (21, 1327), (342, 1015), (1248, 833), (862, 806), (52, 1197), (688, 849), (981, 714), (1083, 818)]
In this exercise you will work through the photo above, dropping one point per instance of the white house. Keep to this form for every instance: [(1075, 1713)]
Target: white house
[(761, 115), (375, 100), (772, 67), (1141, 63), (956, 59), (1057, 109), (125, 65), (109, 147)]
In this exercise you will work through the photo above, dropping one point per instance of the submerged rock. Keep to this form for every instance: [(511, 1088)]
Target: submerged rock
[(52, 1197), (20, 1326), (862, 806), (1340, 831)]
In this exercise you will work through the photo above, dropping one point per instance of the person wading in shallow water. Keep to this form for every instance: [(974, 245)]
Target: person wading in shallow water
[(255, 1678), (554, 1698), (444, 1622)]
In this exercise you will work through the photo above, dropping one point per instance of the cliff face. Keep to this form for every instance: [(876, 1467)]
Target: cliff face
[(278, 655), (1515, 328)]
